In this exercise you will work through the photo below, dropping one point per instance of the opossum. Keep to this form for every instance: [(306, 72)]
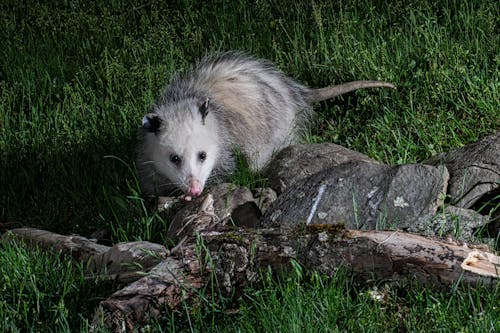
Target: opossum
[(227, 102)]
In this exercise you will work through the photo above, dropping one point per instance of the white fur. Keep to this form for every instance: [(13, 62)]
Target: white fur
[(195, 138)]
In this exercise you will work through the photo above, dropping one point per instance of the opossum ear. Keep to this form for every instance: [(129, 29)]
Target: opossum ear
[(204, 109), (151, 122)]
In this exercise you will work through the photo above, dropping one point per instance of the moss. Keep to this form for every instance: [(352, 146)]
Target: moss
[(333, 229)]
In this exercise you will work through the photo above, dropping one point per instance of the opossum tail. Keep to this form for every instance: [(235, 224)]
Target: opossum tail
[(318, 95)]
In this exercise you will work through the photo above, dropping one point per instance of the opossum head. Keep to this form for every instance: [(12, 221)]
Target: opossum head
[(183, 143)]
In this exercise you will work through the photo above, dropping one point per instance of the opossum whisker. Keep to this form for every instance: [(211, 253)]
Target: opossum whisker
[(172, 192), (172, 188), (170, 183)]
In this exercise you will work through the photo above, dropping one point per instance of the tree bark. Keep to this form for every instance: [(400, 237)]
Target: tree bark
[(79, 247), (124, 262), (233, 258)]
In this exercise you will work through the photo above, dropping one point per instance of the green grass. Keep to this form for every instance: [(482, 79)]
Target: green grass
[(313, 304), (43, 292), (77, 76)]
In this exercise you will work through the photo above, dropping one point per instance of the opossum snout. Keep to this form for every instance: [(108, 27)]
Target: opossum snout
[(195, 188)]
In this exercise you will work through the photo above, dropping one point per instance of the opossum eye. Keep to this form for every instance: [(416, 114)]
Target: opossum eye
[(202, 156), (175, 159)]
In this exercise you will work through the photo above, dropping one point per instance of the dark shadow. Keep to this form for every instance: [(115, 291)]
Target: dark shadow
[(65, 189)]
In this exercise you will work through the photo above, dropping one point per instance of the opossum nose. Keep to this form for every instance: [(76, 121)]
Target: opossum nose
[(194, 192), (195, 188)]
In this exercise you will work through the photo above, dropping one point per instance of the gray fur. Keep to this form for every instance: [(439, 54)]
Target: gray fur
[(252, 107)]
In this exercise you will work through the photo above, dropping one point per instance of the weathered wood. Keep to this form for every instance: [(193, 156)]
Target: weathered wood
[(234, 257), (79, 247), (124, 262), (474, 170), (298, 162), (362, 195)]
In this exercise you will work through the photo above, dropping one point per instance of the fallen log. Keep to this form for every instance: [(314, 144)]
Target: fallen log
[(79, 247), (123, 262), (232, 258)]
